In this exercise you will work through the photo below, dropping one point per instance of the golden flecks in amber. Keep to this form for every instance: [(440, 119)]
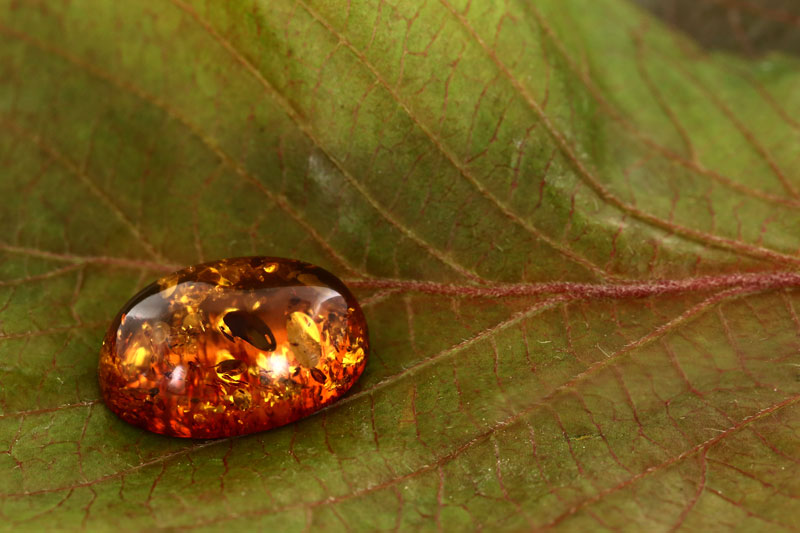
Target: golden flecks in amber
[(303, 336), (232, 347)]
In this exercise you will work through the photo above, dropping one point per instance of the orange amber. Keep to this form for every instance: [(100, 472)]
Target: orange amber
[(233, 347)]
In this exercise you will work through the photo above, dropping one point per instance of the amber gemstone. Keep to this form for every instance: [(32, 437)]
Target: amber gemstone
[(233, 347)]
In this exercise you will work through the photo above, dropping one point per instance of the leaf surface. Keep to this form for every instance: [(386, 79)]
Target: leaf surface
[(460, 163)]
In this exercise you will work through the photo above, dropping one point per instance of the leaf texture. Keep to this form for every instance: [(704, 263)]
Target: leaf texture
[(490, 177)]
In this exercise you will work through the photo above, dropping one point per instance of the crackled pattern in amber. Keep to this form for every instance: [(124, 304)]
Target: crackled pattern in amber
[(232, 347)]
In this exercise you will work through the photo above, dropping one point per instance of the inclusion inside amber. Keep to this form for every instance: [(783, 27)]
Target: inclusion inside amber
[(233, 347)]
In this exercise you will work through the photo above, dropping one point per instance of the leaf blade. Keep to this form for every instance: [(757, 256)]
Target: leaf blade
[(422, 144)]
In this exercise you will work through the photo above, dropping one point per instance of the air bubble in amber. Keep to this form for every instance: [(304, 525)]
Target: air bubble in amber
[(233, 347)]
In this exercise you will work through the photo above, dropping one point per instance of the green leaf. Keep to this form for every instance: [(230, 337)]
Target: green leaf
[(457, 162)]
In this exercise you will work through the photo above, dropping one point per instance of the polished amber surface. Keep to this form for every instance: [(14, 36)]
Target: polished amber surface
[(233, 347)]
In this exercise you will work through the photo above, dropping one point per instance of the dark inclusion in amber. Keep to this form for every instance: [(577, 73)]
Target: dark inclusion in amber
[(233, 347)]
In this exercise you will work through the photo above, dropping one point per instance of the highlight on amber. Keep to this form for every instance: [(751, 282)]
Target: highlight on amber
[(233, 347)]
